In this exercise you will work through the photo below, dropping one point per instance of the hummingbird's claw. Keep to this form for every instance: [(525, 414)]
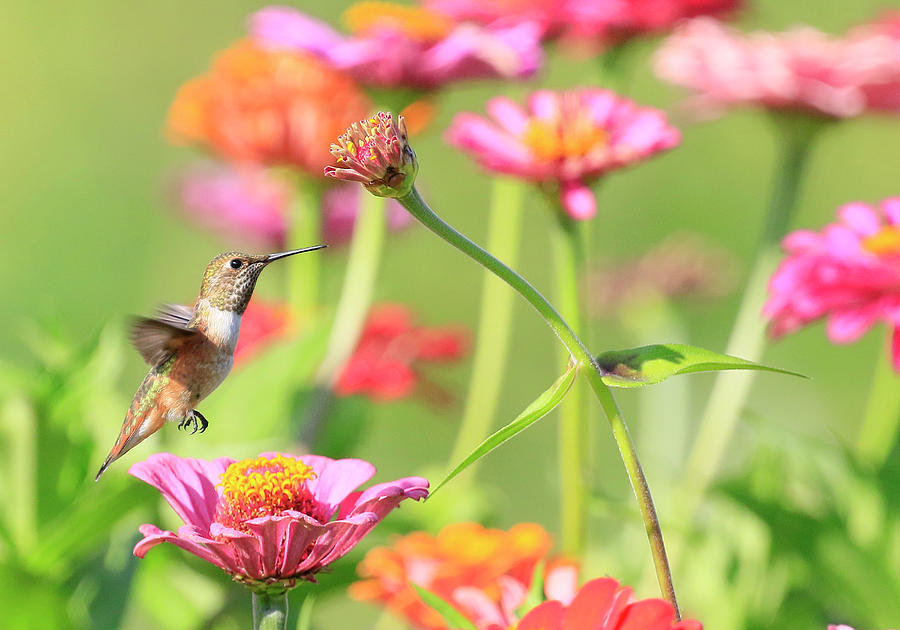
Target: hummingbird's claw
[(195, 420)]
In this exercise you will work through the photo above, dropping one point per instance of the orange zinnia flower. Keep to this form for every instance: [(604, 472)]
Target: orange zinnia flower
[(484, 573), (267, 107)]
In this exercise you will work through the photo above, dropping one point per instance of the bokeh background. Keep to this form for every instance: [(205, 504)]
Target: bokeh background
[(90, 236)]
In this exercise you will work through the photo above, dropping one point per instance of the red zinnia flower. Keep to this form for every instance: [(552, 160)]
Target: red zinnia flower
[(390, 348)]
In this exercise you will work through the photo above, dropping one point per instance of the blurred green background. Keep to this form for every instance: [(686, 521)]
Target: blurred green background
[(90, 236)]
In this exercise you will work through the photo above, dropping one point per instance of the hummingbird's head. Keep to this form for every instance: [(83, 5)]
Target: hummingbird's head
[(231, 277)]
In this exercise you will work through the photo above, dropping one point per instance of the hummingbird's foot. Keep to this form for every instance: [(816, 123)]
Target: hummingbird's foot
[(195, 420)]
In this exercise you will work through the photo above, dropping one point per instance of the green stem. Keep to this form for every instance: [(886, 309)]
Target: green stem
[(270, 611), (305, 221), (360, 275), (416, 206), (880, 422), (494, 322), (747, 339), (569, 257)]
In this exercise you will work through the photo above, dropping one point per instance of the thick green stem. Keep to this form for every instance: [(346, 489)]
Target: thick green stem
[(305, 221), (569, 257), (416, 206), (360, 275), (270, 611), (878, 432), (494, 322), (747, 339)]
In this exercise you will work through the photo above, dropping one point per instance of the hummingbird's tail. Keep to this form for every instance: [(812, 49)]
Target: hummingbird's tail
[(140, 422)]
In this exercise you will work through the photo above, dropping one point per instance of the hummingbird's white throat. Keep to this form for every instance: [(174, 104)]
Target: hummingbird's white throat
[(222, 327)]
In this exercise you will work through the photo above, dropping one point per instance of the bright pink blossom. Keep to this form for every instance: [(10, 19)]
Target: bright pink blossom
[(566, 140), (609, 21), (396, 46), (848, 274), (275, 518), (603, 604), (385, 363), (798, 70), (250, 203)]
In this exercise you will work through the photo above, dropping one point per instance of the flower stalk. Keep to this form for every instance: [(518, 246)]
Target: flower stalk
[(494, 322), (569, 258), (305, 228), (747, 340), (578, 352), (878, 432), (270, 610)]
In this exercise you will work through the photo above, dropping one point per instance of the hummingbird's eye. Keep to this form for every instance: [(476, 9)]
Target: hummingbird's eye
[(235, 263)]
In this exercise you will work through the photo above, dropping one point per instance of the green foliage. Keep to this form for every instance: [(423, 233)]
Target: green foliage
[(539, 407), (647, 365), (452, 617)]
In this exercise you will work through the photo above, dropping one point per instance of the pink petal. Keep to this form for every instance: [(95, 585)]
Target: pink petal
[(508, 114), (891, 209), (188, 485), (285, 27), (578, 201), (384, 497), (339, 538), (592, 605), (154, 536), (561, 583), (478, 606), (850, 325), (544, 104), (861, 218), (336, 479)]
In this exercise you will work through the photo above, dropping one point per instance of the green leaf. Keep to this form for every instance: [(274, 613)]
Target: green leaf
[(452, 617), (647, 365), (535, 593), (539, 408)]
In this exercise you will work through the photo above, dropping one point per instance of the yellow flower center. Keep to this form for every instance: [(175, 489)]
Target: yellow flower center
[(415, 22), (572, 138), (886, 242), (265, 486)]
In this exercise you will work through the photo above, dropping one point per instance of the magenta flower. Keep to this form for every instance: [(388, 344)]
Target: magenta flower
[(610, 22), (398, 46), (251, 203), (798, 70), (565, 141), (848, 274), (273, 519)]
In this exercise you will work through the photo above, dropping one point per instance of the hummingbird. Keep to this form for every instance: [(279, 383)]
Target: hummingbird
[(190, 349)]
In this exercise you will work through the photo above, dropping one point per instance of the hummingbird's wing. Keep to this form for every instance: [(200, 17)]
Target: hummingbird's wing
[(156, 338)]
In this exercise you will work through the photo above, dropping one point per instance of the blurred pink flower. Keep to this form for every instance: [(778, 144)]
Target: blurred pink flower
[(566, 140), (797, 70), (250, 203), (610, 21), (270, 519), (603, 604), (399, 46), (849, 273)]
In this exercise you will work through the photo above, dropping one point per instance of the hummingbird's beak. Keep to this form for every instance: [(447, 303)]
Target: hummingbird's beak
[(272, 257)]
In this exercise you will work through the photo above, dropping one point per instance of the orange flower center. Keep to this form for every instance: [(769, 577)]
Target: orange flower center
[(566, 138), (415, 22), (886, 242), (265, 486)]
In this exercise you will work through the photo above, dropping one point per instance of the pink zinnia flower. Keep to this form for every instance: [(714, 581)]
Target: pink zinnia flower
[(275, 518), (566, 140), (798, 70), (391, 348), (610, 21), (603, 604), (849, 274), (251, 203), (399, 46)]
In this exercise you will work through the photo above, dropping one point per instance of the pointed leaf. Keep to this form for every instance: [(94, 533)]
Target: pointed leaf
[(647, 365), (535, 593), (452, 617), (539, 408)]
